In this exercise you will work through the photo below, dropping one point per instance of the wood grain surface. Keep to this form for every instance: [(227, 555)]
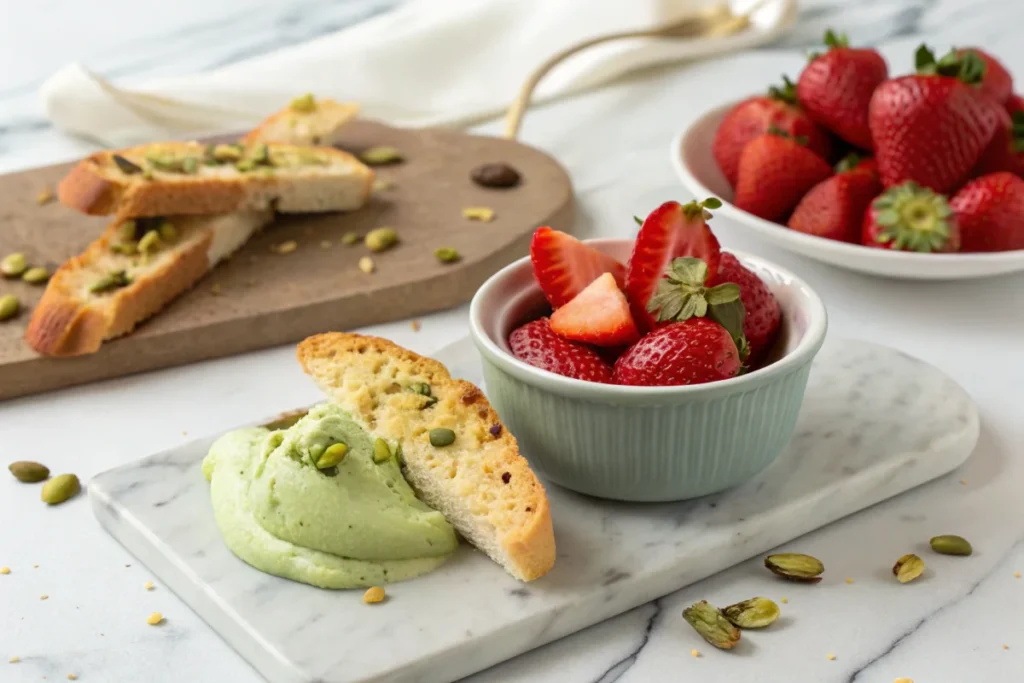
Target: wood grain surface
[(260, 298)]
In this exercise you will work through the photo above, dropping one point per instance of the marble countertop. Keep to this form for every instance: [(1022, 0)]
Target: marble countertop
[(958, 624)]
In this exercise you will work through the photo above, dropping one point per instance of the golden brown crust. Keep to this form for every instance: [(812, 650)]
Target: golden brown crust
[(85, 189), (531, 545)]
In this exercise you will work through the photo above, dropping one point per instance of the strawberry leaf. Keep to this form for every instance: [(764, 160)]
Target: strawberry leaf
[(730, 316), (967, 66), (787, 93), (848, 163), (1017, 131), (834, 40), (638, 221)]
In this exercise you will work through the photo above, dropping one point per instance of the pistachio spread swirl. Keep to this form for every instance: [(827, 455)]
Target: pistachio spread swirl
[(352, 524)]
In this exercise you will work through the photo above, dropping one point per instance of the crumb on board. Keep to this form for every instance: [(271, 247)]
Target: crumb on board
[(285, 247), (963, 482), (478, 213), (784, 601), (695, 653), (366, 265), (415, 325), (44, 596), (14, 659), (148, 585), (45, 196), (72, 677), (904, 680), (154, 619), (1016, 575), (216, 289), (325, 244), (5, 570), (831, 657), (849, 581)]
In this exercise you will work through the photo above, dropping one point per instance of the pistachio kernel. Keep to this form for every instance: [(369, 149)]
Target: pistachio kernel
[(126, 167), (381, 450), (36, 275), (711, 624), (366, 265), (441, 437), (29, 472), (286, 247), (373, 594), (126, 231), (113, 280), (752, 613), (380, 155), (125, 248), (45, 196), (304, 103), (332, 456), (154, 619), (5, 570), (381, 239), (950, 544), (908, 568), (224, 153), (9, 306), (447, 255), (167, 231), (261, 154), (478, 213), (13, 265), (351, 238), (150, 242), (421, 388), (245, 165), (795, 567), (382, 185), (189, 165), (59, 489)]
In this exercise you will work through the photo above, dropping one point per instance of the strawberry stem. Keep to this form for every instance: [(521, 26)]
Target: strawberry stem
[(835, 40), (848, 163), (787, 93), (693, 208), (1017, 131), (799, 139), (913, 218), (968, 66)]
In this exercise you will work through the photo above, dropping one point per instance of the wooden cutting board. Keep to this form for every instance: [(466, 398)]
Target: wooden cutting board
[(260, 298)]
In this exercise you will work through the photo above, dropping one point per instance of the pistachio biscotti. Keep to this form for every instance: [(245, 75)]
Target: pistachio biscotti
[(191, 178), (306, 121), (478, 480)]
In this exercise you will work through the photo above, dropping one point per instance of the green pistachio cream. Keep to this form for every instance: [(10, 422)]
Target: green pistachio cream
[(352, 525)]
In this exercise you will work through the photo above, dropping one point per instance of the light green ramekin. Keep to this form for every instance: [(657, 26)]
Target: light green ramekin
[(645, 443)]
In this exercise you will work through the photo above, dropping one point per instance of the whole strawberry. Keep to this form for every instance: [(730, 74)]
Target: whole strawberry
[(836, 87), (536, 344), (775, 172), (931, 127), (695, 351), (909, 217), (1006, 151), (762, 315), (996, 83), (755, 116), (990, 213), (834, 208)]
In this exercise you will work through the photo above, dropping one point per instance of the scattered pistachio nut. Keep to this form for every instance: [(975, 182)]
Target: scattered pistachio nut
[(113, 280), (373, 594), (332, 456), (126, 231), (36, 275), (286, 247), (60, 488), (381, 239), (13, 265), (5, 570), (381, 450), (382, 185), (126, 167), (441, 437), (189, 165), (366, 265), (304, 103), (9, 306), (150, 242), (495, 175), (421, 388), (795, 567), (447, 255), (125, 248), (167, 231), (45, 196), (245, 165), (950, 544), (154, 619), (908, 568), (351, 238), (380, 155), (72, 677), (225, 153), (711, 624), (752, 613), (261, 154), (28, 471), (478, 213)]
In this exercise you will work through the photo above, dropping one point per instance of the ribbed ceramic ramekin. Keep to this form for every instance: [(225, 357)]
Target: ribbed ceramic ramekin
[(645, 443)]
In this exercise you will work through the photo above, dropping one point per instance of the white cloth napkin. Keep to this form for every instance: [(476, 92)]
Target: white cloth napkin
[(428, 62)]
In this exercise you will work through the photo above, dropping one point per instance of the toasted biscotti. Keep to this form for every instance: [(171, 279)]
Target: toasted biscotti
[(190, 178), (480, 483), (124, 277), (306, 121)]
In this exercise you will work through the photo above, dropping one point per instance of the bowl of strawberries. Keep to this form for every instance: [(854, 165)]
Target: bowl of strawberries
[(919, 176), (654, 369)]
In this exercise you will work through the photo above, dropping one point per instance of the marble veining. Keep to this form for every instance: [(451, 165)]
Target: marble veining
[(875, 423)]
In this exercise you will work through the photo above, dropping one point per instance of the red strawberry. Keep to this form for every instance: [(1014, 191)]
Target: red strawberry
[(909, 217), (755, 116), (996, 82), (1015, 104), (1006, 151), (694, 351), (931, 127), (563, 265), (762, 316), (671, 231), (835, 88), (775, 173), (834, 208), (536, 344), (599, 315), (990, 212)]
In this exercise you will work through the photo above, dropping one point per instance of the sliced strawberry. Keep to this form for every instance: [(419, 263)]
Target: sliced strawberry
[(564, 266), (671, 231), (536, 344), (599, 315)]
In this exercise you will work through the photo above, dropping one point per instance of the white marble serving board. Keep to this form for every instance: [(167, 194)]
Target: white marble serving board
[(875, 423)]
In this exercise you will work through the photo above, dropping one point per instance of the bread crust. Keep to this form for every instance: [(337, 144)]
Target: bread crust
[(322, 126), (528, 547)]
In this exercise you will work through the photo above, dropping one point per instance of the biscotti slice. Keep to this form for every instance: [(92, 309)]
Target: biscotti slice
[(179, 178), (306, 121), (480, 482), (130, 273)]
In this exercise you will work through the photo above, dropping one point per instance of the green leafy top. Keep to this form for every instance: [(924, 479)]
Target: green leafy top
[(1017, 131), (787, 93), (691, 208), (682, 295), (913, 218), (848, 163), (968, 66), (799, 139), (834, 40)]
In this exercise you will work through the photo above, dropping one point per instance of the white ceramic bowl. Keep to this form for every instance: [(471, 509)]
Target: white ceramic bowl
[(695, 164)]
